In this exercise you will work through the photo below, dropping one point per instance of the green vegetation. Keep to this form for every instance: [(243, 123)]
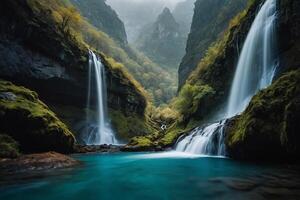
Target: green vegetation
[(9, 148), (30, 122), (211, 19), (207, 85), (258, 127), (190, 98), (129, 125), (159, 83)]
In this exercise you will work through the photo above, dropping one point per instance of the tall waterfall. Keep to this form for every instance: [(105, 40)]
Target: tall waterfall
[(257, 63), (255, 71), (98, 129)]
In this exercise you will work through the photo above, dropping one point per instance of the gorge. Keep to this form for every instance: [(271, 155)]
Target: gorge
[(92, 106), (255, 71)]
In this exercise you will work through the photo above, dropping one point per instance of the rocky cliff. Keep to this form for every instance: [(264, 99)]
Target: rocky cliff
[(268, 128), (103, 17), (38, 54), (163, 41), (210, 20), (30, 122)]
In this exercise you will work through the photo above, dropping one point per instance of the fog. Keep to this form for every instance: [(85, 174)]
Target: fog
[(137, 13)]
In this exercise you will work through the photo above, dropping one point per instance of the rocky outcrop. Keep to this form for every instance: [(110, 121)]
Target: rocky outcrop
[(103, 17), (30, 122), (9, 148), (210, 20), (37, 54), (268, 129), (33, 163), (183, 14), (163, 41)]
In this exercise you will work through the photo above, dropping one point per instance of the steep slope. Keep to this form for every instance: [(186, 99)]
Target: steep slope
[(43, 53), (103, 17), (268, 128), (183, 14), (137, 14), (163, 42), (158, 82), (210, 20)]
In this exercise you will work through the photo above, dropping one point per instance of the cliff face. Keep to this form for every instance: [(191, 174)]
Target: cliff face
[(103, 17), (183, 14), (210, 20), (163, 41), (268, 128), (37, 54)]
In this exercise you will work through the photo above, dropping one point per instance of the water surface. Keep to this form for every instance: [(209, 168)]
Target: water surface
[(159, 176)]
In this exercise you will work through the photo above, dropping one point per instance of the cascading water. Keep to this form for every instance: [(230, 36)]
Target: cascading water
[(98, 129), (257, 63), (255, 71)]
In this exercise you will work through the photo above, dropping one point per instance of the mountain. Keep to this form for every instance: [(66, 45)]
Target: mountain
[(183, 14), (163, 42), (103, 17), (136, 14), (210, 20)]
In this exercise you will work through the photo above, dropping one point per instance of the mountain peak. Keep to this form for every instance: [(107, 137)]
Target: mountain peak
[(166, 18)]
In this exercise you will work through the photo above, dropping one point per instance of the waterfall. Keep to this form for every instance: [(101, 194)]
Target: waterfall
[(204, 140), (255, 70), (98, 130), (257, 63)]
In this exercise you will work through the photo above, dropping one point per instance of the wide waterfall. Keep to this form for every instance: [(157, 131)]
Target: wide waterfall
[(255, 71), (98, 130)]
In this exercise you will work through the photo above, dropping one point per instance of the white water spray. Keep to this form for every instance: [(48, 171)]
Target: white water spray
[(255, 71), (98, 131), (257, 63)]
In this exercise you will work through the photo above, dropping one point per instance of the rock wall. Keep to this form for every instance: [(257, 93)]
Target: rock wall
[(36, 54), (210, 20)]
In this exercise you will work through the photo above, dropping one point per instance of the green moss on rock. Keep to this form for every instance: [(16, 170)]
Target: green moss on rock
[(128, 125), (268, 129), (9, 148), (30, 122)]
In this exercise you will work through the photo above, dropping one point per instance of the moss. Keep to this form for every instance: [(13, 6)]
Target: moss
[(31, 123), (269, 121), (141, 142), (128, 125), (191, 99), (9, 148)]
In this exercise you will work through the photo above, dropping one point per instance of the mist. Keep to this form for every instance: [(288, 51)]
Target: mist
[(138, 13)]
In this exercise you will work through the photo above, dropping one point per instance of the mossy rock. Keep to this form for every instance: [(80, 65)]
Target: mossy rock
[(128, 125), (9, 148), (141, 143), (30, 122), (269, 127)]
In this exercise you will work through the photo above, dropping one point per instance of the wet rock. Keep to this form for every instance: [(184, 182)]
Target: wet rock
[(9, 96), (36, 162), (97, 148)]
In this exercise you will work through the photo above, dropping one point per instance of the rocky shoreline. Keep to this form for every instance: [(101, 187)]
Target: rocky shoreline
[(36, 163)]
